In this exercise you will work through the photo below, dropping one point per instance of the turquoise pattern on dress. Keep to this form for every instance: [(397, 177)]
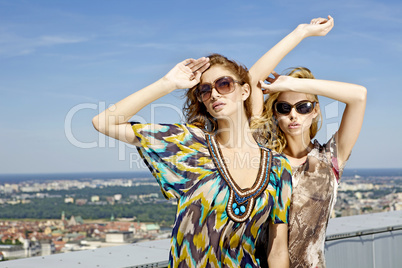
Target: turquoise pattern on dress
[(204, 234)]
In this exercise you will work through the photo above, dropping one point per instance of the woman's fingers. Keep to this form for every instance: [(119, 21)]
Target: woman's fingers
[(265, 87), (191, 67), (331, 20), (322, 20), (329, 24), (272, 79), (321, 26), (201, 65), (198, 63), (204, 67), (318, 21), (197, 67), (188, 62)]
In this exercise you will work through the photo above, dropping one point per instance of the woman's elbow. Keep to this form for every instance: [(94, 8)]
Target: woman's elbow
[(362, 96)]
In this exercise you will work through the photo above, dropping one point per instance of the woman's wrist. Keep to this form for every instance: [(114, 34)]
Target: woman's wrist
[(296, 84), (301, 31), (167, 84)]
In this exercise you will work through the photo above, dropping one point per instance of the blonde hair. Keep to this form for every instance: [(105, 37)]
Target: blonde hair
[(196, 113), (266, 126)]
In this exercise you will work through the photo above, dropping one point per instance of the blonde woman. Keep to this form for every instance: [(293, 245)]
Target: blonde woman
[(289, 122)]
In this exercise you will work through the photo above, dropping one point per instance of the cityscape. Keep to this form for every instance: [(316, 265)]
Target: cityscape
[(87, 214)]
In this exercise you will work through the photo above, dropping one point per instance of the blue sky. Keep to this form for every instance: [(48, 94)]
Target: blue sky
[(63, 61)]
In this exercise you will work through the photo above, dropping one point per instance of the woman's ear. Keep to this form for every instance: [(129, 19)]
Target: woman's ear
[(245, 91)]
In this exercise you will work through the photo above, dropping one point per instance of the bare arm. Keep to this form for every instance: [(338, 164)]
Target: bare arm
[(113, 121), (267, 63), (278, 254), (354, 96)]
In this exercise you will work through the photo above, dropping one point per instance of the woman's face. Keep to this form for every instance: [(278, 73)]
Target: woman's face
[(224, 105), (295, 123)]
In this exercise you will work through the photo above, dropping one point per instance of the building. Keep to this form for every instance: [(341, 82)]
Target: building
[(119, 237), (362, 241), (95, 198)]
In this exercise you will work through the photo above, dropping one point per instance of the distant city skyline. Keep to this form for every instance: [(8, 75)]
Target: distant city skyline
[(64, 62)]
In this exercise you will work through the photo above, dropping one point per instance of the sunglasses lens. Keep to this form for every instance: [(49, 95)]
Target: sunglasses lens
[(224, 85), (204, 92), (283, 108), (301, 107), (304, 108)]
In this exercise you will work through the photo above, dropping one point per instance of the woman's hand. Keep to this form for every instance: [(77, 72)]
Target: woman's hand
[(187, 73), (317, 27), (278, 83)]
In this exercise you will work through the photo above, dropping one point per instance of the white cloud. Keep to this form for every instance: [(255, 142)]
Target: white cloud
[(12, 45), (386, 41), (75, 97), (57, 40), (247, 32)]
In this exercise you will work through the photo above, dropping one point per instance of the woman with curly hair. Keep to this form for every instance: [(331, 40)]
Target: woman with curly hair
[(221, 201), (288, 124)]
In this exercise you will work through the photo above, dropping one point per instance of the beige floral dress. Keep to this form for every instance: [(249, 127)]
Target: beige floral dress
[(315, 185)]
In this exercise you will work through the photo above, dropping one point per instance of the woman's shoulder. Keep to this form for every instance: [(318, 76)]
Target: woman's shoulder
[(168, 128), (194, 129), (279, 162), (279, 159), (180, 132), (327, 147), (197, 133)]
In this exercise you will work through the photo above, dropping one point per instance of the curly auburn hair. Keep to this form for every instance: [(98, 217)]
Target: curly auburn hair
[(196, 113), (266, 125)]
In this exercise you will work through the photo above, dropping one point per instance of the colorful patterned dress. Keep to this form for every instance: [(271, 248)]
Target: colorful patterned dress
[(217, 222), (315, 185)]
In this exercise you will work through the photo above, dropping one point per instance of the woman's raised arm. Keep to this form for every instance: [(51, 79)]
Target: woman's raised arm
[(113, 122), (267, 63)]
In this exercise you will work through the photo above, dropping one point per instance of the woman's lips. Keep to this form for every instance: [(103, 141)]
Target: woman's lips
[(218, 105), (293, 125)]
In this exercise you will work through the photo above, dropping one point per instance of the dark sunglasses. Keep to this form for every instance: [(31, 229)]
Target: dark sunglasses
[(224, 85), (302, 107)]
